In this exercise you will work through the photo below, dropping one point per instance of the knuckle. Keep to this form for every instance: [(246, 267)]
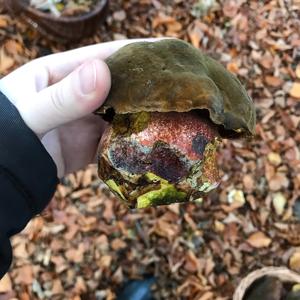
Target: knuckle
[(57, 99)]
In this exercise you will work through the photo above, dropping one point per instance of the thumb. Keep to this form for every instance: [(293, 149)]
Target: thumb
[(72, 98)]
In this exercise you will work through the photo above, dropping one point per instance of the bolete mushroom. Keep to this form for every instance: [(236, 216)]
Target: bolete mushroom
[(169, 107)]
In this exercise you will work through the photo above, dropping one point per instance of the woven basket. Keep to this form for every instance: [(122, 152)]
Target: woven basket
[(283, 274), (61, 29)]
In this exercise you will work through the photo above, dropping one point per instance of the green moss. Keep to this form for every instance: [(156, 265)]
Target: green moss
[(120, 124), (139, 121), (151, 177), (165, 195), (126, 124), (114, 187)]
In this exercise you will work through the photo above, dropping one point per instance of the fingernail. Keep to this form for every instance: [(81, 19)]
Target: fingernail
[(88, 77)]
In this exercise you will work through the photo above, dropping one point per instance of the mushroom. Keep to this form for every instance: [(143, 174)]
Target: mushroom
[(168, 109)]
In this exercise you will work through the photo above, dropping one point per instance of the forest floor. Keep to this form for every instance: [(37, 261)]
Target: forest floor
[(86, 245)]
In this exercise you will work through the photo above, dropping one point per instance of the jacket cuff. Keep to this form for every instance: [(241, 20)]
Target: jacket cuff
[(23, 156)]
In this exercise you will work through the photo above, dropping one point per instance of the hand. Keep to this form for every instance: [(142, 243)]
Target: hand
[(56, 96)]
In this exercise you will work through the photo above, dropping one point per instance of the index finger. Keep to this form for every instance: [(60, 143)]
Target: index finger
[(59, 65)]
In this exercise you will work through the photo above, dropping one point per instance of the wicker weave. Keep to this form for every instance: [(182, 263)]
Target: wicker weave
[(283, 274)]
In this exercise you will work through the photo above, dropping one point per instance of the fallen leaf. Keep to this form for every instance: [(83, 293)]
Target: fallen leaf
[(80, 286), (105, 261), (24, 275), (296, 287), (118, 276), (191, 262), (298, 71), (60, 263), (3, 21), (236, 198), (259, 240), (174, 27), (20, 250), (119, 15), (118, 244), (57, 287), (248, 182), (273, 81), (195, 35), (279, 202), (295, 261), (274, 158), (5, 284), (219, 226), (278, 181), (233, 67), (75, 255), (108, 213), (230, 8), (207, 296), (6, 62), (162, 19), (13, 47), (295, 90)]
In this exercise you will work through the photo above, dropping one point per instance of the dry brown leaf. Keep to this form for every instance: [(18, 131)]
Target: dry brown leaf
[(80, 286), (233, 67), (3, 21), (195, 36), (118, 244), (206, 296), (87, 178), (166, 229), (24, 296), (279, 202), (273, 81), (118, 276), (230, 8), (76, 255), (274, 158), (174, 27), (191, 262), (298, 71), (5, 284), (24, 275), (119, 15), (295, 90), (13, 47), (278, 181), (267, 61), (162, 19), (72, 231), (105, 261), (20, 250), (190, 221), (60, 263), (248, 182), (108, 213), (209, 266), (6, 62), (259, 240), (295, 261), (57, 287)]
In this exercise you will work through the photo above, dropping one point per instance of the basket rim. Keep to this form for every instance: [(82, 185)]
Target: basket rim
[(94, 11), (284, 273)]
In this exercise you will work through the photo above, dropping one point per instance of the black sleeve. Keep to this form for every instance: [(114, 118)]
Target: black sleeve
[(28, 177)]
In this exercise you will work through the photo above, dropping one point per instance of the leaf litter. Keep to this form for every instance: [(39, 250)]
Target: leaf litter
[(86, 245)]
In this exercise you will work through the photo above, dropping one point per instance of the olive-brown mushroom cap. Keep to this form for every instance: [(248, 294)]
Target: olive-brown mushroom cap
[(172, 75)]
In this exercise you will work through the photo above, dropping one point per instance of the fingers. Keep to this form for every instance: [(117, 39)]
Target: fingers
[(75, 96), (47, 70), (60, 65)]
